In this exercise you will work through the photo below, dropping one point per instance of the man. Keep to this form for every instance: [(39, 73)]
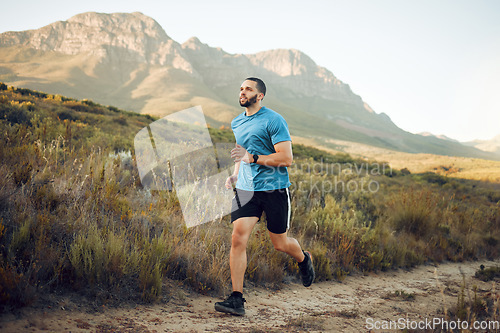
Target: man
[(262, 154)]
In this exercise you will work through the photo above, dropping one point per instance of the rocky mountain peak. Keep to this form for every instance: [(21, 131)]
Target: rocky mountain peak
[(194, 43), (118, 23), (128, 37), (119, 39), (284, 62), (300, 73), (194, 46)]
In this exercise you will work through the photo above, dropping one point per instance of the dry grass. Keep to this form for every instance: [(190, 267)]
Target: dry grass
[(73, 214), (457, 167), (475, 305)]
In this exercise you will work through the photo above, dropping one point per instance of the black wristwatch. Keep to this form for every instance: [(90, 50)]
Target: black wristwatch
[(255, 158)]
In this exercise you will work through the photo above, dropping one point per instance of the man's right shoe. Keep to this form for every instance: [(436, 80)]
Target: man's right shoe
[(307, 269), (233, 305)]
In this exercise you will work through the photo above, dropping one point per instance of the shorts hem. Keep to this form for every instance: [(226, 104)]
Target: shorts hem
[(239, 217)]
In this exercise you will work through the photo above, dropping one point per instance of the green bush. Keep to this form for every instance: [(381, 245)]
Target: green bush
[(15, 115)]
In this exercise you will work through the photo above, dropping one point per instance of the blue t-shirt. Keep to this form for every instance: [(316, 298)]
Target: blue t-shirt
[(258, 134)]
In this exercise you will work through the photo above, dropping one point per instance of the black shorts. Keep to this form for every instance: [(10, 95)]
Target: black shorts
[(275, 203)]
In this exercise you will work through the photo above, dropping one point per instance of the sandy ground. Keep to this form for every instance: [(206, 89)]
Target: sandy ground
[(347, 306)]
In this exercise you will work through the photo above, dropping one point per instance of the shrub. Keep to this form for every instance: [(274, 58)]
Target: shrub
[(488, 274), (63, 115), (480, 307), (434, 178), (412, 211), (154, 255), (15, 115), (121, 120)]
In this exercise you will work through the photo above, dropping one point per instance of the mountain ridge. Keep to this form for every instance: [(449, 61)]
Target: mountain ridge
[(492, 145), (128, 60), (98, 40)]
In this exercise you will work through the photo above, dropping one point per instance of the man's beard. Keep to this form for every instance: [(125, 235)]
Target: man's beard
[(249, 102)]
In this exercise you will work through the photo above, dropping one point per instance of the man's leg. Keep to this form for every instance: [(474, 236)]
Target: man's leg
[(277, 208), (288, 245), (242, 228)]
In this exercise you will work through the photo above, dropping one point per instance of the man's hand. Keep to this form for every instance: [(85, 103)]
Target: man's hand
[(230, 181), (241, 154)]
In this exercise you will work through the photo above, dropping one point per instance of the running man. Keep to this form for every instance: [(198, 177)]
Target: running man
[(262, 154)]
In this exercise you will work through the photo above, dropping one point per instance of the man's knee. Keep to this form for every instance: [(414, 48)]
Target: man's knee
[(280, 245), (242, 228), (239, 239)]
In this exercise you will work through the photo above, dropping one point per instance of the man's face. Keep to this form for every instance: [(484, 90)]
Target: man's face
[(248, 93)]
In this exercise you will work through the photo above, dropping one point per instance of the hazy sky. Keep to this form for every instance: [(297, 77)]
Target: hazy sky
[(431, 65)]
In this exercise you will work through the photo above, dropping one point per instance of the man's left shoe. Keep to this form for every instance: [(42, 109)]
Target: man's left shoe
[(307, 270), (233, 305)]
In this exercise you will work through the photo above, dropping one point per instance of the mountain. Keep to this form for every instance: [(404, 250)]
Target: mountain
[(492, 145), (440, 136), (127, 60)]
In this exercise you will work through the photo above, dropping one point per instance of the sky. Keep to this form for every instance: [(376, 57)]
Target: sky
[(432, 66)]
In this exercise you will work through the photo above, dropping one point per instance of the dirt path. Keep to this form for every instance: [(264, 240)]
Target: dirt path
[(418, 294)]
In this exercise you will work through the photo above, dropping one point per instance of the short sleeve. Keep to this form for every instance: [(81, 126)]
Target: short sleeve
[(278, 130)]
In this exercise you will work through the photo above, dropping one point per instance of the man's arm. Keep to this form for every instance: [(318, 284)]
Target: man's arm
[(234, 177), (236, 168), (282, 157)]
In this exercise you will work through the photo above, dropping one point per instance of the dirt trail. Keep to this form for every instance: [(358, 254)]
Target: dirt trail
[(418, 294)]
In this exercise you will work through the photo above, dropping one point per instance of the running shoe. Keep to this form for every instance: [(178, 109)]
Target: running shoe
[(307, 270), (233, 305)]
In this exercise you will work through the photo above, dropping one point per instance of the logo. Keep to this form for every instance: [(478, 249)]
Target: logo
[(176, 153)]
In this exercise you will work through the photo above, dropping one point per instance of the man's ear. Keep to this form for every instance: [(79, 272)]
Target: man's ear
[(261, 96)]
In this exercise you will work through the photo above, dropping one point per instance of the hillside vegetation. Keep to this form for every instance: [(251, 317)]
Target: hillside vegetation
[(452, 166), (74, 215)]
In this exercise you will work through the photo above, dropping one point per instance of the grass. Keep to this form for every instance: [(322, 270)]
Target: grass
[(402, 295), (452, 166), (75, 216), (474, 305), (488, 273), (305, 323)]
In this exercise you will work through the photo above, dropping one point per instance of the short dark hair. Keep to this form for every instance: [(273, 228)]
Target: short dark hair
[(261, 86)]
